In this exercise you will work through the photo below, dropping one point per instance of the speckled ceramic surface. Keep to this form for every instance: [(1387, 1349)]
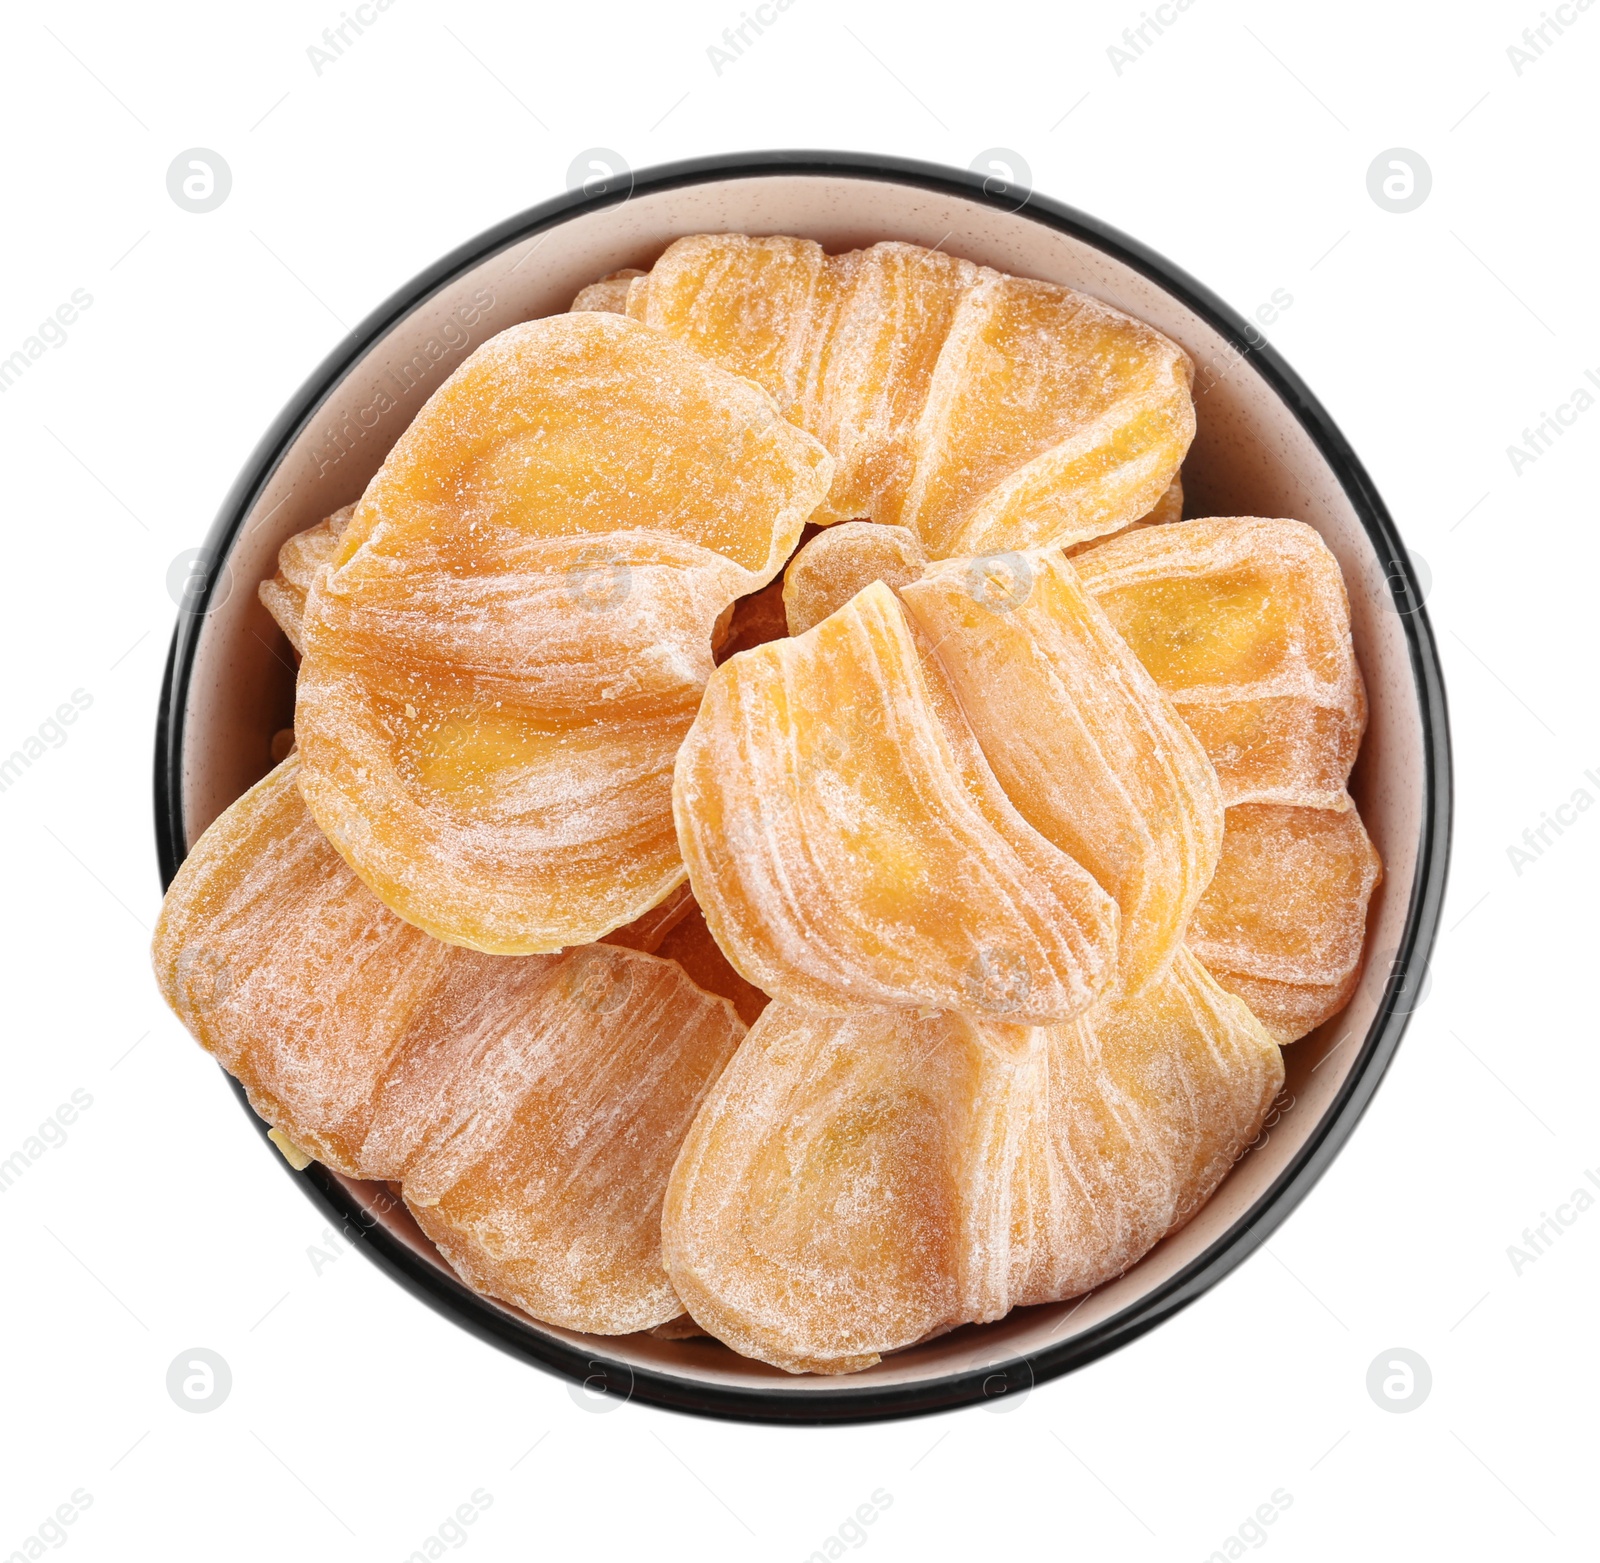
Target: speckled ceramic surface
[(1264, 447)]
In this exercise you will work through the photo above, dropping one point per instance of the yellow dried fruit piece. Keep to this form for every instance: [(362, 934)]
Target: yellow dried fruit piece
[(1051, 418), (744, 303), (1148, 1103), (514, 633), (607, 296), (1168, 508), (1284, 919), (1245, 625), (1088, 749), (876, 361), (850, 846), (534, 1119), (855, 1184), (290, 971), (832, 1200), (300, 560), (837, 563), (983, 411), (531, 1108)]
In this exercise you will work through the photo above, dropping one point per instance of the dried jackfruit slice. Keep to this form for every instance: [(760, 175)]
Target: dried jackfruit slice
[(850, 846), (835, 1197), (837, 563), (1245, 625), (514, 633), (855, 1184), (1052, 418), (1284, 920), (607, 296), (300, 560), (983, 411), (290, 971), (535, 1116), (1088, 749), (1168, 508), (1148, 1103), (531, 1107), (875, 365)]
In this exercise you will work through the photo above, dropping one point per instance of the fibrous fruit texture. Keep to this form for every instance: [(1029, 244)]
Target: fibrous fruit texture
[(1245, 625), (512, 637), (1283, 922), (982, 411), (854, 1184), (1088, 749), (850, 846), (530, 1108)]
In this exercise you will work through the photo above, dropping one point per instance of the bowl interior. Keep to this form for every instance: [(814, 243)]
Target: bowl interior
[(1251, 457)]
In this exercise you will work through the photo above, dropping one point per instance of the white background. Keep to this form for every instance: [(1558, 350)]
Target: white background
[(1238, 146)]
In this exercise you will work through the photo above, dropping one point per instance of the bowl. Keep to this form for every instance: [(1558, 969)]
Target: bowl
[(1265, 447)]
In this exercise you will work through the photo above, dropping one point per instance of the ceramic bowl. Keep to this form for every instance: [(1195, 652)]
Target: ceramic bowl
[(1265, 447)]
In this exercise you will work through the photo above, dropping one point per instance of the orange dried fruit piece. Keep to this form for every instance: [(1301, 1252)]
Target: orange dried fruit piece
[(875, 364), (1085, 745), (535, 1116), (855, 1184), (983, 411), (1245, 625), (849, 845), (1168, 509), (748, 304), (282, 964), (1148, 1103), (513, 636), (833, 1199), (607, 296), (300, 561), (531, 1108), (1051, 418), (830, 569), (1284, 920)]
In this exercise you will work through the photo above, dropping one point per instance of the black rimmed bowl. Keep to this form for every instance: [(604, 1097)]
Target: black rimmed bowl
[(1265, 447)]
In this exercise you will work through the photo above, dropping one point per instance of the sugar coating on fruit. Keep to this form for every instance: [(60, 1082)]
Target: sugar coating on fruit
[(535, 1116), (982, 411), (1168, 509), (300, 560), (1085, 745), (850, 846), (289, 970), (1244, 623), (830, 1201), (608, 296), (830, 569), (530, 1107), (1284, 919), (1147, 1105), (514, 633), (858, 1183)]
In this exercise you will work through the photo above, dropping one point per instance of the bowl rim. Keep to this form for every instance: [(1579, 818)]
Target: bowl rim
[(860, 1401)]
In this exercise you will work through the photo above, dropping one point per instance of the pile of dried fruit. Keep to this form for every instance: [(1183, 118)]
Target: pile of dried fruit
[(816, 947)]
